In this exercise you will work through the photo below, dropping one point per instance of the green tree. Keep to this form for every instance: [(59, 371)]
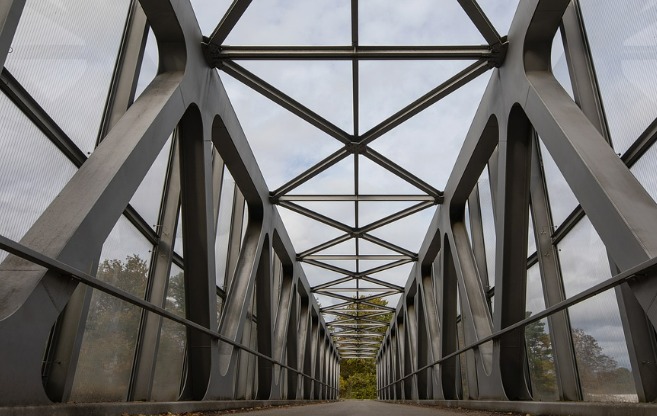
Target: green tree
[(112, 327), (111, 330), (598, 372), (540, 360), (358, 375), (360, 385)]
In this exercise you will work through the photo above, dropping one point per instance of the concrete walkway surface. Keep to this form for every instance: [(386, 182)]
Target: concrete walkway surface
[(363, 408)]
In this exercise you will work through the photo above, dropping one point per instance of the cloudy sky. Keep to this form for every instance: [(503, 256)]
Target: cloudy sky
[(68, 72)]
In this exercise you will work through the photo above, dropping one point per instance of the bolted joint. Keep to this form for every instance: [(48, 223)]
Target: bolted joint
[(274, 199), (211, 52), (356, 233), (498, 51), (356, 148)]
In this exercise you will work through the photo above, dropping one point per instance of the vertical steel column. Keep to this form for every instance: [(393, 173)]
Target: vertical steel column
[(313, 392), (424, 378), (433, 316), (250, 368), (404, 360), (512, 213), (553, 290), (218, 167), (235, 238), (382, 374), (411, 347), (447, 287), (389, 373), (477, 233), (244, 382), (263, 291), (148, 345), (325, 377), (303, 359), (292, 346), (390, 369), (317, 388), (280, 331), (397, 359), (198, 245)]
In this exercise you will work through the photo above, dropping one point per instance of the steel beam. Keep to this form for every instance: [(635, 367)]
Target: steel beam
[(349, 289), (387, 244), (424, 102), (480, 20), (349, 53), (228, 22), (310, 173), (315, 216), (280, 98), (360, 198), (325, 245), (356, 257), (29, 106)]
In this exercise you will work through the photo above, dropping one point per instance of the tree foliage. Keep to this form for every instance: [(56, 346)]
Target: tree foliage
[(358, 375), (541, 361), (598, 372), (111, 332)]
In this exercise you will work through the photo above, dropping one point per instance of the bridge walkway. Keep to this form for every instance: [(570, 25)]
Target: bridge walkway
[(364, 408)]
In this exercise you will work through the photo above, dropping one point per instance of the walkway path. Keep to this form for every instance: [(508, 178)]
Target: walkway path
[(362, 408)]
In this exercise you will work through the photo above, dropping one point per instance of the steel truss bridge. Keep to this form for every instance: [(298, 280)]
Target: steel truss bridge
[(217, 307)]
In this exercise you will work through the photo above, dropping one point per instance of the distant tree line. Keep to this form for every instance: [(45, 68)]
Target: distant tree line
[(358, 375), (599, 373)]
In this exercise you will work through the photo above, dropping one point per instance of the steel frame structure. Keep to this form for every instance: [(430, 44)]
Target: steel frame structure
[(296, 358), (419, 358), (353, 317), (296, 348)]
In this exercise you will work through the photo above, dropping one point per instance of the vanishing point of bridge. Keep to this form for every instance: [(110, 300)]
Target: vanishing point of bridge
[(211, 205)]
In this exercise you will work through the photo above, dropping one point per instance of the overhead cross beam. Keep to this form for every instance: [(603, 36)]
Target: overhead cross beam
[(355, 144), (348, 53)]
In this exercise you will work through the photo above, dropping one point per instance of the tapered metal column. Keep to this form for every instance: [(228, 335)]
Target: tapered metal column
[(280, 332), (639, 334), (411, 348), (292, 343), (148, 344), (512, 213), (10, 14), (424, 378), (553, 290), (303, 359), (198, 244), (265, 324)]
